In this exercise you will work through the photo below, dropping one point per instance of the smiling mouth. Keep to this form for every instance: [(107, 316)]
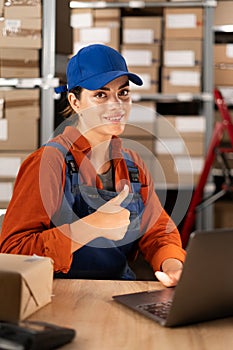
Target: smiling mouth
[(114, 119)]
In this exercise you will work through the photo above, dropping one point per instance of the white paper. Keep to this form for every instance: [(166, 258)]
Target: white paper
[(103, 35), (229, 50), (138, 57), (6, 190), (179, 21), (3, 130), (138, 36), (184, 78), (12, 24), (9, 166), (81, 20), (190, 124), (179, 58)]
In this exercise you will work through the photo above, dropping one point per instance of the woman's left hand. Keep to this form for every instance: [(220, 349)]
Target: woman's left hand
[(171, 272)]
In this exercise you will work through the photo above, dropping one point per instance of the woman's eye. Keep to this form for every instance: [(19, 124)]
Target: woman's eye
[(100, 95), (124, 93)]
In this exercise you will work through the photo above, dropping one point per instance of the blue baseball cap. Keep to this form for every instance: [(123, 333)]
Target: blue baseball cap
[(94, 66)]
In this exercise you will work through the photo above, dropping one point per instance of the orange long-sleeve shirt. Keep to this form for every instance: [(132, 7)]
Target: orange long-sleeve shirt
[(38, 193)]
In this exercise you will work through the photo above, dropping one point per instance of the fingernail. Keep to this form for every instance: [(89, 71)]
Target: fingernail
[(125, 187)]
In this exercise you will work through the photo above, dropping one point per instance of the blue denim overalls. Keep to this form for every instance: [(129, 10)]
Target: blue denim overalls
[(101, 258)]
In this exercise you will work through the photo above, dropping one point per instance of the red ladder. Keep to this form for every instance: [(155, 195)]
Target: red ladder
[(214, 150)]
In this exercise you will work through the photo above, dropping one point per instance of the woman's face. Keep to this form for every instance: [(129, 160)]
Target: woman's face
[(103, 112)]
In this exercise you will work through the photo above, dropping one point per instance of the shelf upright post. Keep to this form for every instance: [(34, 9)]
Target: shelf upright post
[(205, 219), (48, 70)]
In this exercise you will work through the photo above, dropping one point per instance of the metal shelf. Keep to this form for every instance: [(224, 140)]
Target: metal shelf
[(29, 83), (141, 4)]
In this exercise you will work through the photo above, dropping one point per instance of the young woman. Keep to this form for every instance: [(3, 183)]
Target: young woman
[(84, 200)]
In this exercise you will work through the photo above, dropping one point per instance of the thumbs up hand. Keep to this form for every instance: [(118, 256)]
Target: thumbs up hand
[(110, 221), (114, 205)]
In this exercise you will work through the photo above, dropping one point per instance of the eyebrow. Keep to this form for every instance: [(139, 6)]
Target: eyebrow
[(120, 87)]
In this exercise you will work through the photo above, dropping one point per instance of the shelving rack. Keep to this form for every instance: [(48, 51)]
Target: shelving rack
[(205, 219), (47, 81)]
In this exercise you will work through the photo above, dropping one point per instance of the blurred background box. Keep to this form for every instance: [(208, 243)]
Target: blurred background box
[(178, 80), (141, 30), (182, 53), (223, 13), (19, 63), (183, 23), (141, 55), (19, 124), (21, 33), (150, 78)]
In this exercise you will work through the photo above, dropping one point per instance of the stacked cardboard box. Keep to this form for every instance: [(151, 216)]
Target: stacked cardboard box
[(179, 148), (95, 26), (182, 55), (141, 47), (223, 52), (19, 116), (139, 133), (20, 44), (20, 39)]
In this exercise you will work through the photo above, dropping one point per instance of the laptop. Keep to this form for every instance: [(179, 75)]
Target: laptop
[(205, 289)]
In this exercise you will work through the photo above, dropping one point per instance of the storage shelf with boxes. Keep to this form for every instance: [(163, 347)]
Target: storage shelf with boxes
[(164, 43), (170, 45), (20, 45)]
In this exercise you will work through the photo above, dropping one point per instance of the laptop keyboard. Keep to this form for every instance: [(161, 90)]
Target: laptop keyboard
[(159, 309)]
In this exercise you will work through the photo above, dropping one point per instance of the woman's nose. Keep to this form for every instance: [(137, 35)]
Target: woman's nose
[(114, 98)]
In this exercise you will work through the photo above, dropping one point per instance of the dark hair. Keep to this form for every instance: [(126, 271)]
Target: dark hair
[(68, 110)]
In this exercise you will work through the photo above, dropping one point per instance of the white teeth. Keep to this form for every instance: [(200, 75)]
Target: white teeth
[(114, 118)]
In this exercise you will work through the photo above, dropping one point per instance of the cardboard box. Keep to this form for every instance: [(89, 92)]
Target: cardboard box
[(21, 291), (191, 127), (19, 126), (181, 80), (6, 191), (1, 8), (150, 78), (21, 103), (107, 14), (10, 163), (19, 63), (21, 33), (81, 18), (142, 30), (183, 23), (18, 134), (182, 53), (223, 53), (177, 169), (141, 55), (223, 214), (101, 34), (223, 13), (23, 11), (223, 76), (180, 146), (141, 122)]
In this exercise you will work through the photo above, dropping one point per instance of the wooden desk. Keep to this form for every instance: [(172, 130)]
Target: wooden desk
[(103, 324)]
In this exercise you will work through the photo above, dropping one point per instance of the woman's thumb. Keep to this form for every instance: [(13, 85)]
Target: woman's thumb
[(121, 196)]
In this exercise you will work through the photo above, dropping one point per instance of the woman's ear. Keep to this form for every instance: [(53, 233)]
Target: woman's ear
[(74, 102)]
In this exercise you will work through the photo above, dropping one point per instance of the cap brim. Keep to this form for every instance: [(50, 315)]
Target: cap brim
[(100, 80)]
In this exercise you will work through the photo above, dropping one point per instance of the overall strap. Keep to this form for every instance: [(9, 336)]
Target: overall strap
[(71, 169), (133, 172)]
